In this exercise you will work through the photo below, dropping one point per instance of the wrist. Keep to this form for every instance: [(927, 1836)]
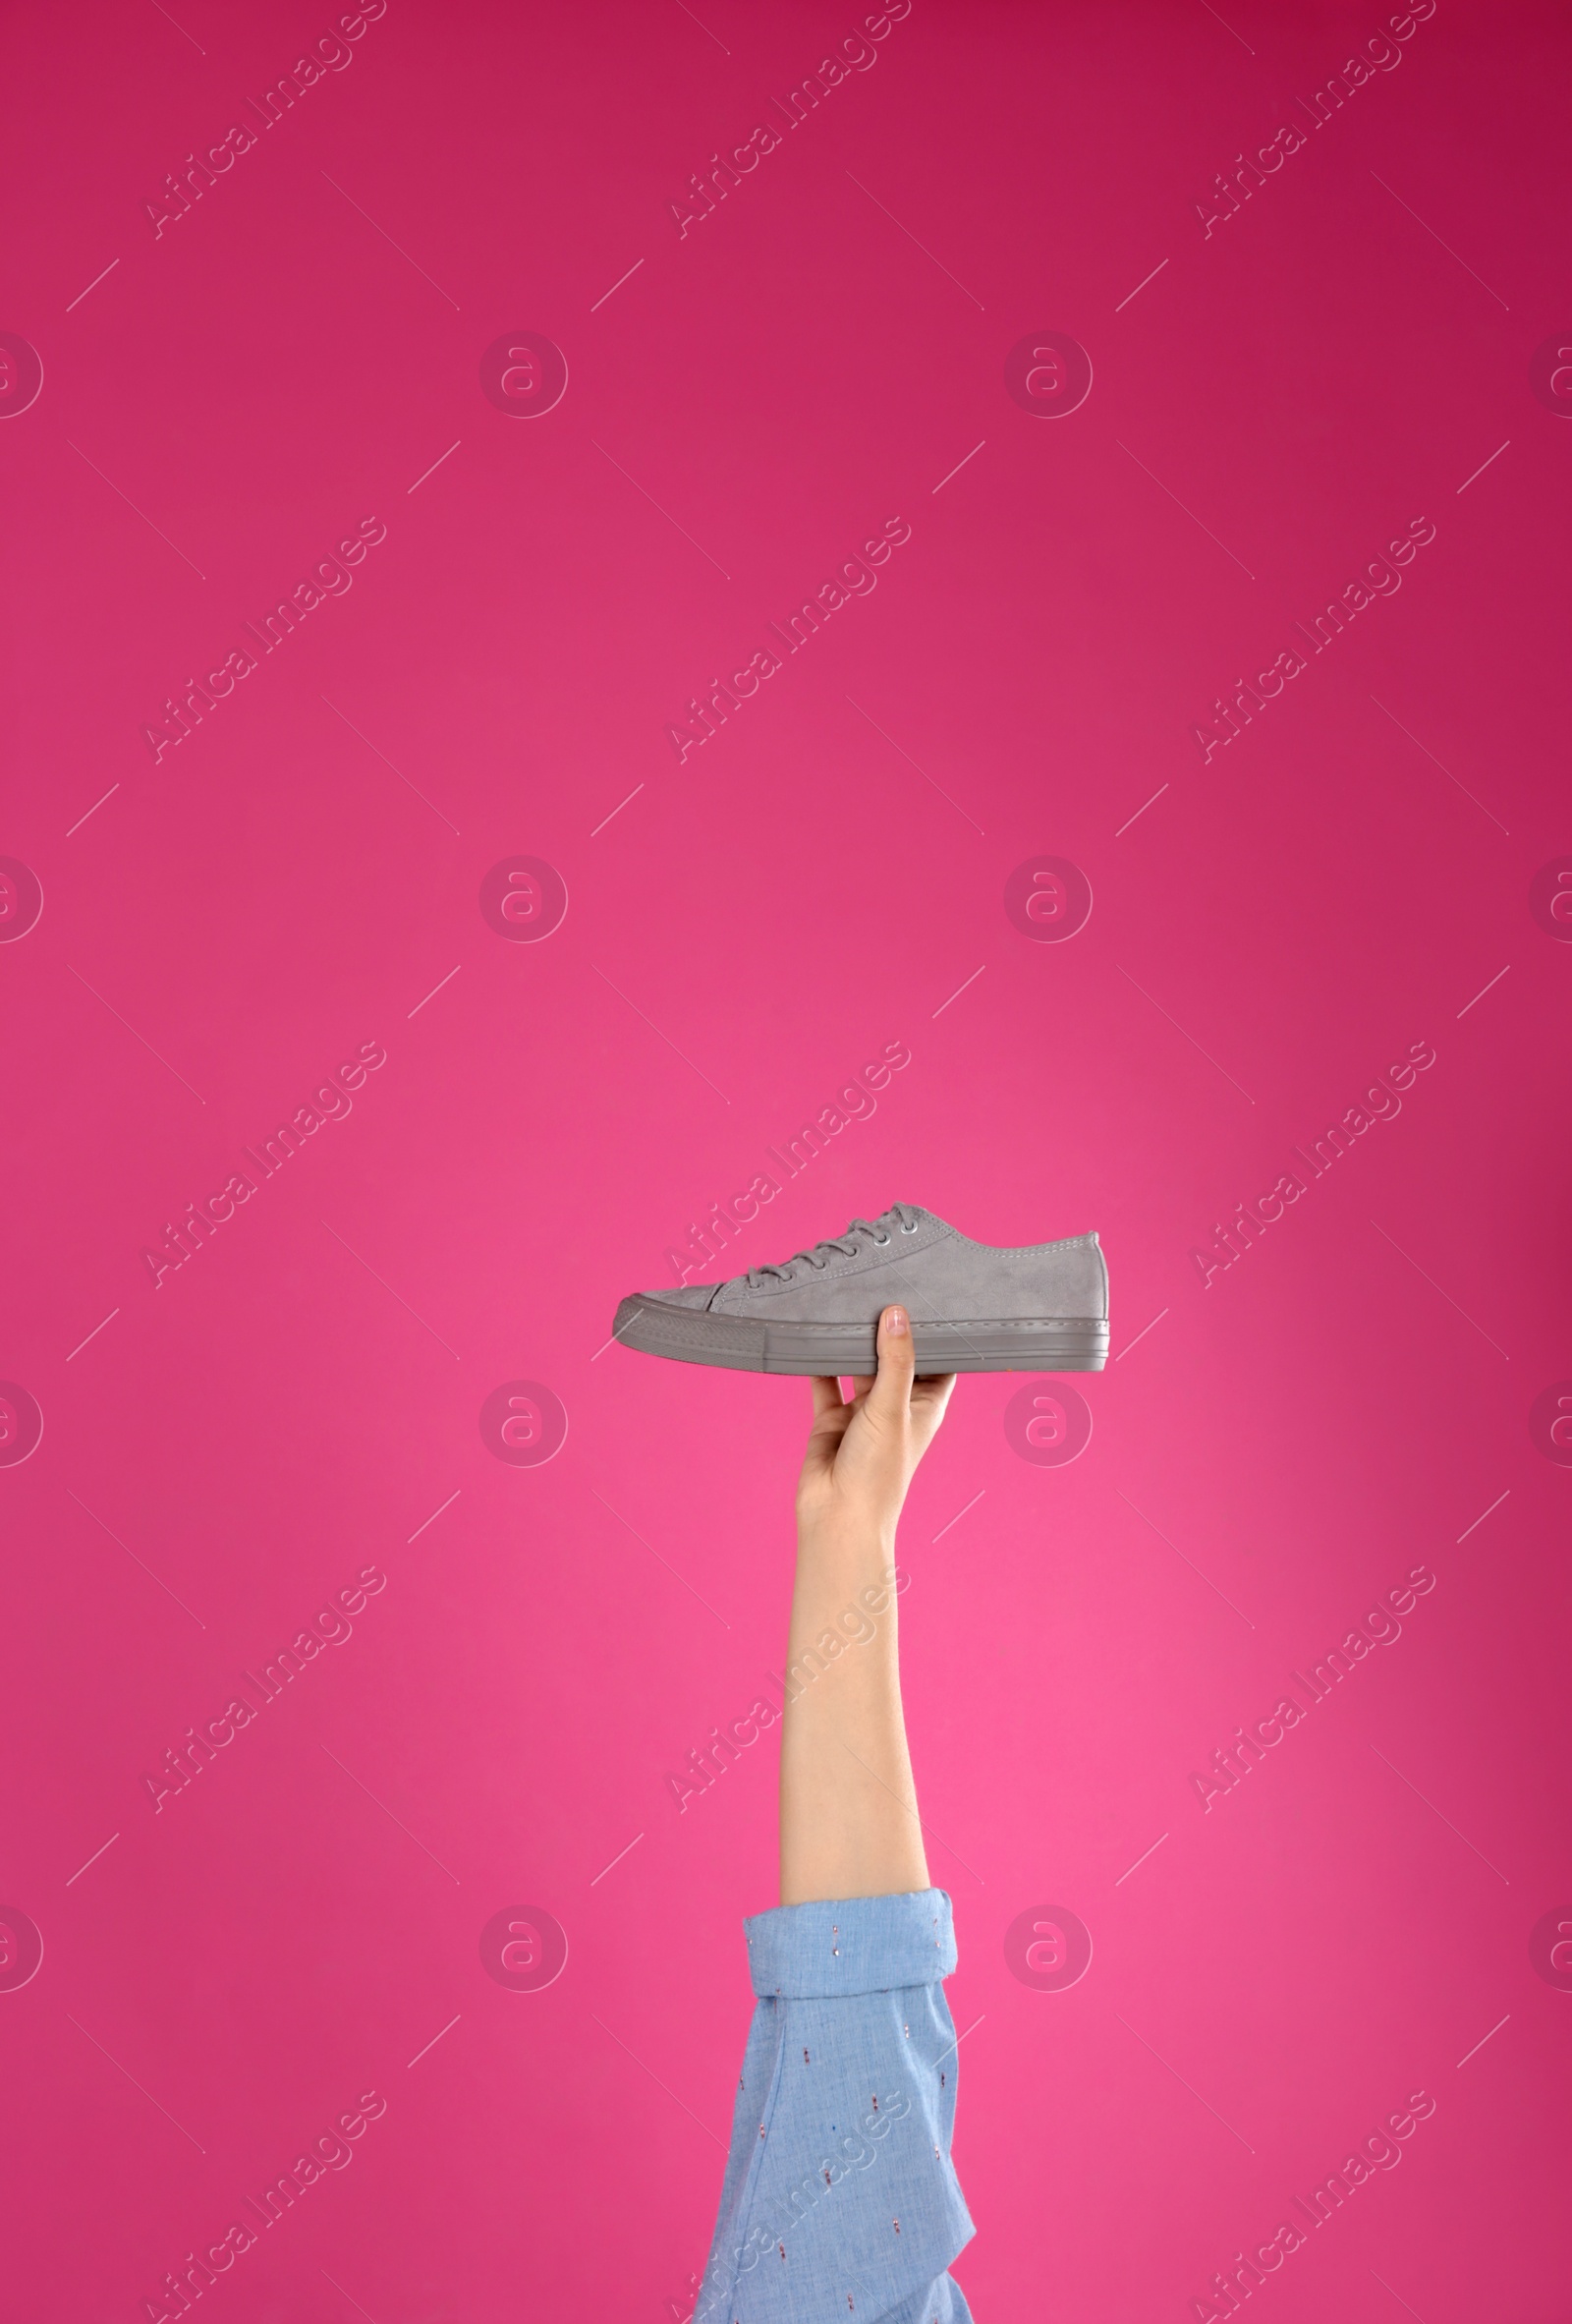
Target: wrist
[(846, 1544)]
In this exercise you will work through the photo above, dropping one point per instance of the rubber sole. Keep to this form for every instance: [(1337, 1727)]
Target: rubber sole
[(749, 1344)]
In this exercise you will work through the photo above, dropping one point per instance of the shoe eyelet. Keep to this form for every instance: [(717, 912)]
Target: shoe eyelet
[(879, 1240), (908, 1230)]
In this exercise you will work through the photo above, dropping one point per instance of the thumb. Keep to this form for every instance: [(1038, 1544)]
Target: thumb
[(890, 1396)]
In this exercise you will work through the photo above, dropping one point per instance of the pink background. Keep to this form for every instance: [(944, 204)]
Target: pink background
[(1271, 407)]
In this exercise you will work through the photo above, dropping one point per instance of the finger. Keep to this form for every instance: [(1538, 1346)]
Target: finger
[(930, 1397), (827, 1399), (934, 1384), (897, 1360)]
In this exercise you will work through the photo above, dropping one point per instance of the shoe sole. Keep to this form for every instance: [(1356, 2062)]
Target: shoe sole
[(748, 1343)]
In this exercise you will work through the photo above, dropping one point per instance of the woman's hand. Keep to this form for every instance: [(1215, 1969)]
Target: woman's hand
[(849, 1824), (862, 1456)]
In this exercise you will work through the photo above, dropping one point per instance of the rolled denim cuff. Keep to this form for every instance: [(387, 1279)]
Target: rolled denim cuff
[(850, 1945)]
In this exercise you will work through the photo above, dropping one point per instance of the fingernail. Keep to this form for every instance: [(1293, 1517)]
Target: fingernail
[(895, 1322)]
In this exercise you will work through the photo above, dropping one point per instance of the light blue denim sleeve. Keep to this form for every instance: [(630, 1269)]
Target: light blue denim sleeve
[(840, 2200)]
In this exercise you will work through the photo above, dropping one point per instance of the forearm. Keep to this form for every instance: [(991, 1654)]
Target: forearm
[(848, 1806)]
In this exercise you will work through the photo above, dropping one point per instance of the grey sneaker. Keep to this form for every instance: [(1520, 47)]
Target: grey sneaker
[(974, 1307)]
